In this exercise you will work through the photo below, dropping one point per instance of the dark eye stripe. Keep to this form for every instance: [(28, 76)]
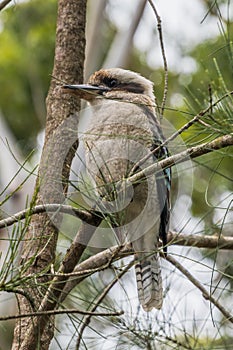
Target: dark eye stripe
[(129, 87), (132, 87)]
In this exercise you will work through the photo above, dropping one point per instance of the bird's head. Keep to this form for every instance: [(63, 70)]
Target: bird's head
[(114, 83)]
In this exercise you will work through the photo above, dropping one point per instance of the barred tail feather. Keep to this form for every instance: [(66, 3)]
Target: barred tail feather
[(149, 282)]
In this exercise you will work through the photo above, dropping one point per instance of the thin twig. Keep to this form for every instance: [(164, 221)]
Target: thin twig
[(210, 98), (54, 208), (59, 312), (4, 3), (159, 26), (20, 292), (210, 127), (67, 265), (87, 318), (179, 344), (197, 284), (95, 263), (185, 127), (192, 152)]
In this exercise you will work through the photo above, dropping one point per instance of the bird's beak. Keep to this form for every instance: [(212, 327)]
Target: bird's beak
[(85, 91)]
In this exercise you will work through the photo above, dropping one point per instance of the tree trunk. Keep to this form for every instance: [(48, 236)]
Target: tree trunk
[(38, 251)]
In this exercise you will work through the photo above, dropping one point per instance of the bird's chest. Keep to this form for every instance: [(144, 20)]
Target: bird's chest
[(118, 136), (114, 148)]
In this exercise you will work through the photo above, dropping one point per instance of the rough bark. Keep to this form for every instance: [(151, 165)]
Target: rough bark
[(51, 185)]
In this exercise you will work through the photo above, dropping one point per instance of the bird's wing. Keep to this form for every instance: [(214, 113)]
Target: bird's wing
[(163, 180)]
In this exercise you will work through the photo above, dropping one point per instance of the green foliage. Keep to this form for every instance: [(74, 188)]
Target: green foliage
[(210, 82), (27, 49), (213, 79)]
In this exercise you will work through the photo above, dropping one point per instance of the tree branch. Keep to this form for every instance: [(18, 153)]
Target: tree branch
[(58, 151), (200, 241), (100, 298), (103, 259), (84, 215), (192, 152), (97, 262), (165, 66), (59, 312), (186, 126), (174, 238), (197, 284), (4, 3)]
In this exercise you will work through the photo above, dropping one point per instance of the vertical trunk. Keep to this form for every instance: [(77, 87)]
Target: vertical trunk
[(60, 145)]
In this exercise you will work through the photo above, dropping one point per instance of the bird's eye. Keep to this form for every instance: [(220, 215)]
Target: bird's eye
[(112, 83)]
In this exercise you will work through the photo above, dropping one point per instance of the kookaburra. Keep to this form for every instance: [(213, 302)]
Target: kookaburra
[(122, 134)]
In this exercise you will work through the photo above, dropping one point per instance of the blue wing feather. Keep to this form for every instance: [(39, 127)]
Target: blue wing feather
[(163, 181)]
